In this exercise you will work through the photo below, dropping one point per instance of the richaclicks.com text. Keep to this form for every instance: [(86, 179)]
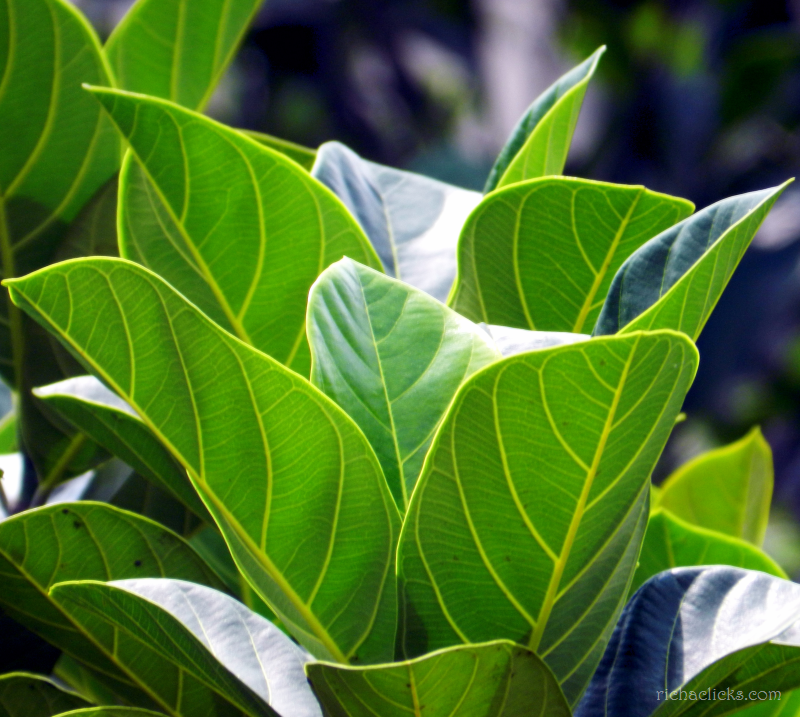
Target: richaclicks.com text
[(714, 695)]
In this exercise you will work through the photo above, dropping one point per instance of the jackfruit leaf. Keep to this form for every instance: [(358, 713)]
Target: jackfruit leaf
[(393, 358), (246, 255), (304, 156), (539, 144), (192, 647), (412, 221), (672, 543), (728, 489), (541, 255), (516, 341), (27, 695), (675, 280), (178, 49), (529, 514), (321, 557), (85, 541), (719, 631), (495, 679)]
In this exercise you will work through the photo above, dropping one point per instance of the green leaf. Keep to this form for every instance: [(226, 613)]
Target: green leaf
[(541, 255), (26, 695), (496, 679), (675, 280), (178, 49), (529, 514), (302, 155), (94, 231), (84, 541), (107, 419), (787, 705), (393, 358), (728, 489), (321, 557), (112, 712), (538, 145), (412, 221), (8, 432), (81, 679), (516, 341), (672, 543), (243, 242), (192, 647)]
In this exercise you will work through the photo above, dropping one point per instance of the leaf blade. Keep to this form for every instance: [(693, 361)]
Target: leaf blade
[(27, 695)]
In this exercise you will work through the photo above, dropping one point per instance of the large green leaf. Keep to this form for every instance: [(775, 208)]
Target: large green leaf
[(58, 149), (541, 255), (178, 49), (675, 280), (302, 155), (94, 231), (529, 514), (106, 418), (84, 541), (495, 679), (237, 228), (197, 651), (672, 543), (112, 712), (728, 489), (26, 695), (787, 705), (539, 144), (289, 478), (393, 358), (412, 221)]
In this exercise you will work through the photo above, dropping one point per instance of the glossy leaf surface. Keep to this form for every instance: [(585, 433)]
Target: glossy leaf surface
[(302, 155), (412, 221), (672, 543), (675, 280), (247, 255), (728, 489), (393, 358), (516, 341), (532, 503), (107, 419), (193, 647), (541, 255), (496, 679), (178, 49), (84, 541), (694, 630), (27, 695), (322, 557), (539, 144)]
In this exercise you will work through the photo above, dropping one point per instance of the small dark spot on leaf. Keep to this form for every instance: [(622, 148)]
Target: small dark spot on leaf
[(565, 423), (602, 362), (455, 557), (508, 559), (32, 688), (137, 563), (77, 523), (408, 684), (65, 511)]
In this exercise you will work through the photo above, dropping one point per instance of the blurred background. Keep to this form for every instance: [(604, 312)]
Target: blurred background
[(697, 98)]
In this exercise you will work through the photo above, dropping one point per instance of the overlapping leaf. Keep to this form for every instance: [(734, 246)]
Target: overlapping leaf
[(289, 478), (85, 541), (246, 254), (393, 358), (728, 489), (719, 631), (532, 503), (197, 651), (541, 255), (675, 280), (107, 419), (112, 712), (495, 679), (27, 695), (302, 155), (178, 49), (516, 341), (412, 221), (672, 543), (539, 144)]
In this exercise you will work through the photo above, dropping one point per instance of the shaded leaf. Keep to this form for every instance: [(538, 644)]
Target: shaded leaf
[(694, 630), (26, 695), (496, 679), (302, 155), (112, 712), (675, 280), (321, 557), (529, 514), (412, 221), (84, 541), (94, 231), (728, 489), (83, 681), (538, 145), (178, 49), (541, 255), (246, 255), (672, 543), (199, 652), (393, 358)]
